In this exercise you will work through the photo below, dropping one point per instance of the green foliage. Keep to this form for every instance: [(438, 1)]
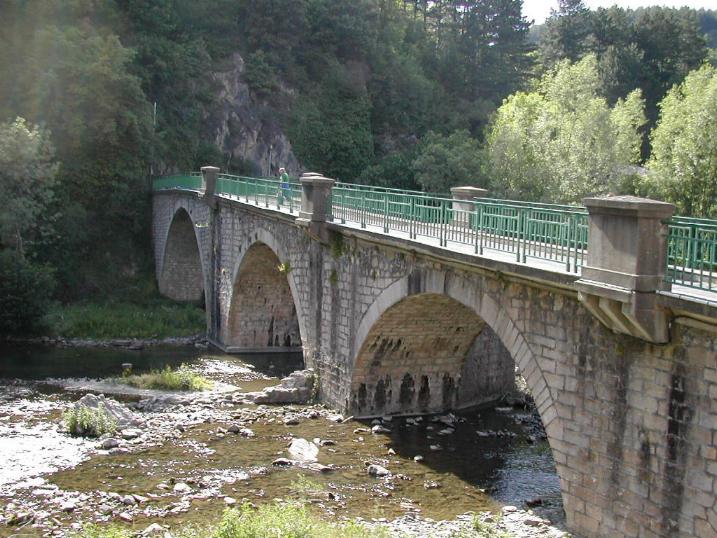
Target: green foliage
[(27, 177), (25, 292), (448, 161), (563, 141), (394, 170), (683, 167), (183, 378), (156, 319), (648, 48), (484, 529), (286, 521), (89, 422), (331, 130)]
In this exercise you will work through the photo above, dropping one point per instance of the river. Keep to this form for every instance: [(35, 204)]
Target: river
[(474, 461)]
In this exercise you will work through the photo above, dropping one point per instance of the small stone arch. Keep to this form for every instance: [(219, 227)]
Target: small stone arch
[(264, 308), (182, 275)]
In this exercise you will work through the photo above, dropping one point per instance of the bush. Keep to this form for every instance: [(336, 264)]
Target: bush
[(180, 379), (25, 291), (89, 422)]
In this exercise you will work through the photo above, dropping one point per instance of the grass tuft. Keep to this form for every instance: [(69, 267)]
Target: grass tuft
[(89, 422), (183, 378)]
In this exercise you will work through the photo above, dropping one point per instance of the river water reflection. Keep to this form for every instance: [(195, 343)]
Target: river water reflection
[(470, 471)]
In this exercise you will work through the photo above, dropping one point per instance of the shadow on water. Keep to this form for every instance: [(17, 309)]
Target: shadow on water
[(40, 362)]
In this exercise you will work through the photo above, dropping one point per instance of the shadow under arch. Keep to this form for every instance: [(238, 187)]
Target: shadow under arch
[(182, 276), (264, 311), (469, 299)]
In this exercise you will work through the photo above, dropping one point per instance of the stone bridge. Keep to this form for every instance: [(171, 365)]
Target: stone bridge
[(622, 364)]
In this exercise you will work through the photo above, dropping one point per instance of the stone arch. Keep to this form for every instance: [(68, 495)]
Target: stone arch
[(182, 276), (264, 308), (469, 298)]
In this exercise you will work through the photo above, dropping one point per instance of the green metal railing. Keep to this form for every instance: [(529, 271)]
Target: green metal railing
[(555, 233), (189, 181), (692, 252), (266, 192)]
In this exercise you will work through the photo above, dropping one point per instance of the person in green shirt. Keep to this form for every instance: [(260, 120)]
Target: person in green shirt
[(284, 187)]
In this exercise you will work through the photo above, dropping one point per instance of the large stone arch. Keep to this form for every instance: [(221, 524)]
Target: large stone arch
[(429, 353), (182, 275), (472, 298), (264, 310)]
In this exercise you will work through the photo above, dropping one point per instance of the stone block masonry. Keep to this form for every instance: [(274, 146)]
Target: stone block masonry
[(395, 327)]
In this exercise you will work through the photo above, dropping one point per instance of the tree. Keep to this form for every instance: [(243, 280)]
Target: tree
[(566, 33), (563, 141), (448, 161), (27, 179), (683, 166)]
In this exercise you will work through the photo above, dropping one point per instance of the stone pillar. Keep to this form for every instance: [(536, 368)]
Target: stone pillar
[(209, 178), (315, 204), (625, 267), (463, 197)]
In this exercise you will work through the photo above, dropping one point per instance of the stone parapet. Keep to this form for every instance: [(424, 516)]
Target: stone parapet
[(625, 265)]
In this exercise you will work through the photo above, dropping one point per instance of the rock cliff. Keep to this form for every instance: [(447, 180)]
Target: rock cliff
[(246, 129)]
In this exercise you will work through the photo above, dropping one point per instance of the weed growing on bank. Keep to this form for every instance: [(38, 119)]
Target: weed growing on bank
[(89, 422), (183, 378), (155, 319)]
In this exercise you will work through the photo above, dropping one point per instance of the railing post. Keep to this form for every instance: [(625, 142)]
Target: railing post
[(315, 204), (463, 203), (625, 265), (209, 180)]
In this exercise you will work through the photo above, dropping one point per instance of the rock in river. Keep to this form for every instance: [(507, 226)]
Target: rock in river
[(303, 450), (377, 470)]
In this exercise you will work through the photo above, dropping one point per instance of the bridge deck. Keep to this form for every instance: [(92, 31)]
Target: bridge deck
[(502, 249)]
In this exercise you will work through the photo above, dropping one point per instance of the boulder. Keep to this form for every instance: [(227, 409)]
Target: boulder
[(303, 450)]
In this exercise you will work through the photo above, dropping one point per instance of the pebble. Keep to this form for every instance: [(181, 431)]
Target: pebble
[(378, 428), (418, 458), (230, 501), (291, 421), (154, 528), (129, 500), (124, 516), (68, 506), (109, 443)]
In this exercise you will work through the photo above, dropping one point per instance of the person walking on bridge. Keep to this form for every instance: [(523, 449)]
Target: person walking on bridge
[(284, 188)]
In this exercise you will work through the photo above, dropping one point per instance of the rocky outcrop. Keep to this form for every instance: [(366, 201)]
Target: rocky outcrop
[(121, 415), (296, 388), (246, 129)]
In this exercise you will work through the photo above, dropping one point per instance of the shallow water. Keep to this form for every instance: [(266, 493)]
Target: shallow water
[(469, 473)]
